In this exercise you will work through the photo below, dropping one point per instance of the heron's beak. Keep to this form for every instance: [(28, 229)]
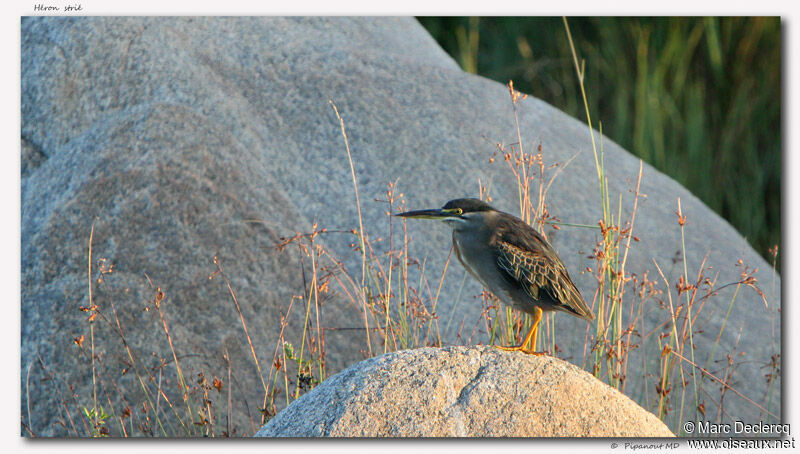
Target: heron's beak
[(435, 213)]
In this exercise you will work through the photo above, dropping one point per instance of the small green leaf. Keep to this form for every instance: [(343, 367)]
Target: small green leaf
[(289, 350)]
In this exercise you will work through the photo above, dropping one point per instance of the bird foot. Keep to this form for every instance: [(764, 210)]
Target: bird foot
[(520, 348)]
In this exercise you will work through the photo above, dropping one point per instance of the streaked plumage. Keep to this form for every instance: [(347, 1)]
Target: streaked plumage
[(510, 259), (534, 264)]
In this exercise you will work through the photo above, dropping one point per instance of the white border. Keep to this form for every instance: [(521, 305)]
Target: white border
[(10, 180)]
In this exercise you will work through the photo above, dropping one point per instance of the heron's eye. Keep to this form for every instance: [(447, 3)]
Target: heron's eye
[(452, 211)]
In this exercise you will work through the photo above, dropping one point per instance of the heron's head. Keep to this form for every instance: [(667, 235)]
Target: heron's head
[(456, 213)]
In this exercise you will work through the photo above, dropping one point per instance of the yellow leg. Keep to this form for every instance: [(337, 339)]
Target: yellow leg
[(531, 337)]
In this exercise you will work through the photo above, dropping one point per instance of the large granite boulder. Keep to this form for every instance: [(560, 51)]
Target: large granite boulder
[(183, 138), (463, 392)]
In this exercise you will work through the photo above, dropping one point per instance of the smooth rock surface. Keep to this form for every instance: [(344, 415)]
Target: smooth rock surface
[(463, 392), (171, 135)]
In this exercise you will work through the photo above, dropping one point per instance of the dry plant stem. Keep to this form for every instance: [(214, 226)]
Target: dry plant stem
[(729, 369), (119, 417), (543, 196), (620, 275), (360, 220), (31, 434), (455, 306), (135, 367), (160, 390), (403, 262), (772, 311), (724, 384), (388, 283), (96, 432), (387, 330), (320, 335), (360, 297), (209, 417), (307, 300), (96, 375), (585, 101), (522, 181), (689, 301), (91, 331), (227, 359), (387, 305), (244, 327), (178, 371), (113, 415), (722, 328), (438, 292), (629, 235), (279, 347), (282, 348), (313, 294), (667, 371), (64, 405), (678, 342)]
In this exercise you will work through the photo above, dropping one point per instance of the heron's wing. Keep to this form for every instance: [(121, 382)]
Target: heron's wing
[(530, 261)]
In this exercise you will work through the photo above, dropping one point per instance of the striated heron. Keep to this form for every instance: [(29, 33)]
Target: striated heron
[(511, 260)]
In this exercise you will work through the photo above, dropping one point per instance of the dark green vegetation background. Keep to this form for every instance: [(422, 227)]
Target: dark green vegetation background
[(698, 98)]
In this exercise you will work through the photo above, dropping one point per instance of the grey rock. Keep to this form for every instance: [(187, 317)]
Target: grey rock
[(463, 392), (170, 135)]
